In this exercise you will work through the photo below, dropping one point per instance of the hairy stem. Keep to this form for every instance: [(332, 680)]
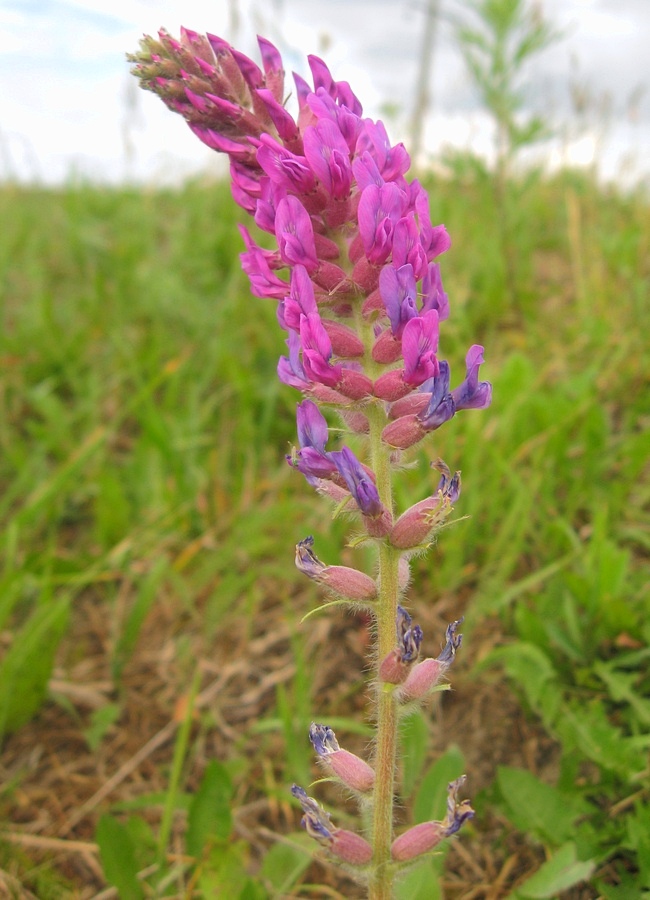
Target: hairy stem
[(380, 887)]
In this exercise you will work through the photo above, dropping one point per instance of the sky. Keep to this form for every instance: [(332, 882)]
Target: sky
[(70, 108)]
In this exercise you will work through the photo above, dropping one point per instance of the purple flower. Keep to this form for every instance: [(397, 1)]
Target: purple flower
[(255, 263), (379, 210), (398, 290), (329, 157), (339, 91), (409, 637), (407, 247), (449, 485), (453, 642), (358, 482), (284, 123), (286, 169), (315, 821), (300, 300), (290, 369), (471, 394), (433, 294), (295, 234), (434, 240), (317, 351), (312, 459), (273, 68), (392, 162), (307, 561), (441, 406), (419, 345), (324, 107)]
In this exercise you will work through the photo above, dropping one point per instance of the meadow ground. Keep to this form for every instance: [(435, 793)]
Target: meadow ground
[(153, 657)]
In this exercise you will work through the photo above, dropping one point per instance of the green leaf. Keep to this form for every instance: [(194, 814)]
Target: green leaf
[(422, 882), (209, 816), (536, 807), (118, 858), (26, 668), (562, 871), (284, 864), (414, 742), (431, 798)]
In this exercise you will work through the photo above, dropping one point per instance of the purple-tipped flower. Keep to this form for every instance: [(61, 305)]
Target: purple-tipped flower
[(395, 667), (358, 482), (426, 674), (346, 845), (353, 771), (311, 459), (417, 525), (342, 580), (425, 837)]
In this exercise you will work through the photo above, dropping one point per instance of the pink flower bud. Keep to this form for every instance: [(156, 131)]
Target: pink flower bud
[(349, 582), (379, 526), (354, 385), (372, 304), (332, 278), (403, 432), (366, 275), (350, 847), (413, 404), (353, 771), (387, 348), (344, 340), (403, 573), (355, 421), (422, 677), (391, 386), (417, 840), (414, 526), (392, 670)]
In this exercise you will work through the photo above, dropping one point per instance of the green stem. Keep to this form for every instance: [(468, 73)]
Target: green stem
[(380, 886)]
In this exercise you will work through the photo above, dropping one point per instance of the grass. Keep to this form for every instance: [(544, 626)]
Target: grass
[(148, 529)]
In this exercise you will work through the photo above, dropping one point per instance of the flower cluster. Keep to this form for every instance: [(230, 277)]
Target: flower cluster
[(360, 299)]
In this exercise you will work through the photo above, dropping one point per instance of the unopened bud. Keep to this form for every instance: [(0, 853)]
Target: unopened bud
[(350, 847), (413, 404), (345, 342), (349, 582), (354, 385), (353, 771), (387, 348), (417, 840), (421, 678), (356, 421), (392, 669), (403, 432), (426, 836), (343, 580), (391, 386), (414, 526)]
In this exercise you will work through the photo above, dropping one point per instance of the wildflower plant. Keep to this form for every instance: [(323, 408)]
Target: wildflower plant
[(360, 299)]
